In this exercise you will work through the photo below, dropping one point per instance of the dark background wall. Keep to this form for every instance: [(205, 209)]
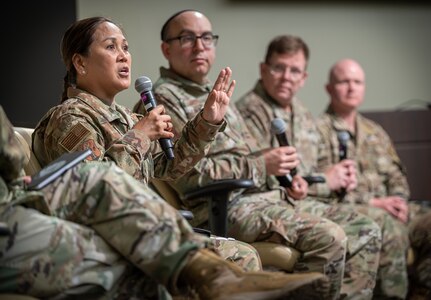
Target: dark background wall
[(32, 70), (410, 132)]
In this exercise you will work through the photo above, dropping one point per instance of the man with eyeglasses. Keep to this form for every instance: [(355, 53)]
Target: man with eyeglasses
[(282, 74), (265, 213), (188, 40)]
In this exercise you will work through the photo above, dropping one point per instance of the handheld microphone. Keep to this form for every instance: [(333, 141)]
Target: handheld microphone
[(343, 137), (143, 86), (278, 128)]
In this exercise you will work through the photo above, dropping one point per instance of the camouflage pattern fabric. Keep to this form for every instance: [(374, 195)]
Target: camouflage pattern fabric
[(106, 198), (258, 111), (380, 173), (238, 252), (262, 214), (45, 256), (364, 235), (83, 121)]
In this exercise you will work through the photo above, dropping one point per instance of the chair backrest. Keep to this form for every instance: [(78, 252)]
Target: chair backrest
[(31, 164), (166, 192)]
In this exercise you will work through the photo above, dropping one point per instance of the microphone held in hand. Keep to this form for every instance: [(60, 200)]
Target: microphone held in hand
[(278, 128), (343, 137), (144, 86)]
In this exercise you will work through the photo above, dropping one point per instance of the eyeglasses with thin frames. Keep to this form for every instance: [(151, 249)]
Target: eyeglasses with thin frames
[(280, 70), (208, 39)]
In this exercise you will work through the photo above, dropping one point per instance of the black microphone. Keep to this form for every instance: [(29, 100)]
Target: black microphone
[(144, 86), (278, 128), (343, 137)]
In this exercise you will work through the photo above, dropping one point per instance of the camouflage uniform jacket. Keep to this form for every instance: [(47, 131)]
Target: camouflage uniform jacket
[(380, 172), (63, 262), (232, 154), (11, 158), (259, 109), (83, 121), (12, 169)]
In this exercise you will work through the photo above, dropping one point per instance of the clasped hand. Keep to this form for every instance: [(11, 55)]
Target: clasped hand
[(342, 176), (395, 205), (299, 188)]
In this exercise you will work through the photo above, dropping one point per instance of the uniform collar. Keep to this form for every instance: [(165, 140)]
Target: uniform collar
[(109, 112), (184, 83)]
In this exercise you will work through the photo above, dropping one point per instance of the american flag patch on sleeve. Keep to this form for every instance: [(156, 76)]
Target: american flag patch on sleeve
[(74, 137)]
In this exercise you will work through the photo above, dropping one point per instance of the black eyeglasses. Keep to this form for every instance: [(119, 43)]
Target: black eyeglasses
[(208, 39)]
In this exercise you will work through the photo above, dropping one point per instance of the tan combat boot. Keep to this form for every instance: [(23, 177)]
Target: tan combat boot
[(214, 278)]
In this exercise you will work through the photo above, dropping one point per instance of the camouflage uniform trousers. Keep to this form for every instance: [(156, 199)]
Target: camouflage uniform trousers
[(264, 217), (48, 257), (363, 245), (128, 215), (111, 202), (240, 253), (392, 280), (70, 259)]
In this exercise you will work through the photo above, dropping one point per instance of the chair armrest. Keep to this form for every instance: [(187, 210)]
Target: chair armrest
[(202, 231), (219, 193), (223, 186), (314, 179)]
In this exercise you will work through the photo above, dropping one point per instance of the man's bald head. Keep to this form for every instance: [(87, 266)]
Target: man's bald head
[(167, 24), (343, 66)]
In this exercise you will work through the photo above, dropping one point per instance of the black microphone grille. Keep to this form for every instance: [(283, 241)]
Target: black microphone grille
[(278, 126), (143, 84), (343, 136)]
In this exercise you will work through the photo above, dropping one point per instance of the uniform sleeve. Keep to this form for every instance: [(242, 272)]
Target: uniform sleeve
[(258, 120), (228, 156), (192, 145), (11, 156), (391, 168), (68, 131), (325, 157)]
